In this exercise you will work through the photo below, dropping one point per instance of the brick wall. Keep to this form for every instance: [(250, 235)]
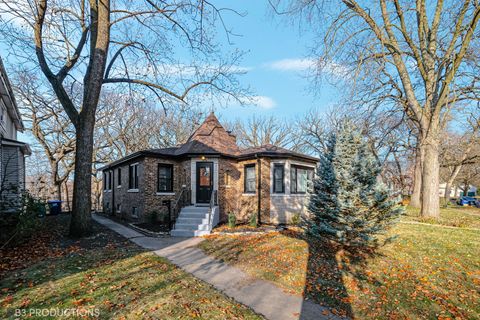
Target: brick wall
[(275, 208), (120, 201), (232, 198), (154, 201), (147, 199)]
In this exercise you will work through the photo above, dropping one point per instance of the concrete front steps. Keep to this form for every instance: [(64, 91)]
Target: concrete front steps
[(192, 222)]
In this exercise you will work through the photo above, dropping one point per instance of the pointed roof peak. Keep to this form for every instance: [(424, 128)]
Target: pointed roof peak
[(211, 117), (212, 134)]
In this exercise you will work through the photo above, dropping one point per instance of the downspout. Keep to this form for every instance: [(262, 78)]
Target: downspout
[(113, 193), (259, 188)]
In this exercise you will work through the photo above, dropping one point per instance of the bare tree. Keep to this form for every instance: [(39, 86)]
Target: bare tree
[(458, 151), (114, 42), (131, 125), (51, 128), (418, 57), (258, 130)]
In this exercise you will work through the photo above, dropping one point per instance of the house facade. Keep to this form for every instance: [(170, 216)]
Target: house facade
[(268, 181), (12, 151), (457, 191)]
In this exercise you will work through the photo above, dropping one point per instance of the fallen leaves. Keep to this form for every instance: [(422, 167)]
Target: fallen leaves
[(422, 274)]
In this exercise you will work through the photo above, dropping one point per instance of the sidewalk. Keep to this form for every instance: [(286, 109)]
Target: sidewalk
[(262, 296)]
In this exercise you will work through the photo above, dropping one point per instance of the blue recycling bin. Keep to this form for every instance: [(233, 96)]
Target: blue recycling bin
[(55, 206)]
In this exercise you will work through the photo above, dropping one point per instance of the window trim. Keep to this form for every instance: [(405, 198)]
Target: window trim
[(275, 167), (105, 184), (246, 167), (133, 186), (293, 168), (119, 177), (165, 165), (110, 178)]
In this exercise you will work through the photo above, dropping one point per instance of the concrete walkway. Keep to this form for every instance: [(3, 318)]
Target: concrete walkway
[(262, 296)]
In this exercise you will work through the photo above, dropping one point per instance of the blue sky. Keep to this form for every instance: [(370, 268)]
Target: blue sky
[(276, 53), (275, 57)]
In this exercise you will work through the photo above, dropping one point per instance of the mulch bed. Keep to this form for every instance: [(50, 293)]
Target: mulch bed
[(154, 227), (147, 228)]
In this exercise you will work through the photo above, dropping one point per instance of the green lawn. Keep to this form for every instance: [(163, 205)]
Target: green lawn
[(115, 279), (455, 216), (429, 271)]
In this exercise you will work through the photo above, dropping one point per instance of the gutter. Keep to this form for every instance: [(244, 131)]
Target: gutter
[(259, 188)]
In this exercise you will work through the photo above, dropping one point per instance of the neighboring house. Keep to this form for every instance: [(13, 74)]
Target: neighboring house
[(12, 151), (457, 191), (209, 168)]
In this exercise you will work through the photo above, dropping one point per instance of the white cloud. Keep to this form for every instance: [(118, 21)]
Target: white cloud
[(264, 102), (330, 67), (291, 64)]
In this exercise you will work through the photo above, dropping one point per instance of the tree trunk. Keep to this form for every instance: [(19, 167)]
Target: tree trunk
[(430, 203), (82, 182), (416, 199)]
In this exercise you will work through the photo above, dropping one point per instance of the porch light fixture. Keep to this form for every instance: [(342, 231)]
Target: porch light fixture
[(202, 157)]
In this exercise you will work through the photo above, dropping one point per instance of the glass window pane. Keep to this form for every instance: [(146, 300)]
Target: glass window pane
[(250, 179), (301, 180), (278, 178), (293, 180)]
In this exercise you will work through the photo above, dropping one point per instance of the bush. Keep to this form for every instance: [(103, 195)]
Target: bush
[(152, 217), (349, 204), (253, 220), (20, 225), (295, 220), (232, 220)]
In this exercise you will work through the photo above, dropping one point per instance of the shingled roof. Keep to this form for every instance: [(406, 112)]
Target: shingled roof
[(211, 138)]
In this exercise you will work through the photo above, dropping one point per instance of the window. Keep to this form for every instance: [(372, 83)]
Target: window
[(107, 180), (110, 174), (133, 176), (164, 178), (119, 177), (300, 178), (278, 175), (134, 212), (119, 207), (250, 178)]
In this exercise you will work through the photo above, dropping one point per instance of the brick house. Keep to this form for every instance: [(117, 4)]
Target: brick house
[(209, 176)]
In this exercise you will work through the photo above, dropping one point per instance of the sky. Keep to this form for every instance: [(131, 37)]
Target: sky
[(277, 61)]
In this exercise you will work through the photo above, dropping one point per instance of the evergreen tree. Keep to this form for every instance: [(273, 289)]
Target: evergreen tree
[(349, 204)]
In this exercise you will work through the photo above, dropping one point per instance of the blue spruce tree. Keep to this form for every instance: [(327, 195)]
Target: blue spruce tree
[(349, 204)]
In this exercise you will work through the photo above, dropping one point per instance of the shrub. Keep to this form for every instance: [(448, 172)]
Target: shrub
[(152, 216), (253, 220), (20, 225), (232, 220), (295, 220), (349, 204)]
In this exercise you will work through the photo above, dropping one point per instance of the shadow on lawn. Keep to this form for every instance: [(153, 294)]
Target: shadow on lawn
[(332, 273)]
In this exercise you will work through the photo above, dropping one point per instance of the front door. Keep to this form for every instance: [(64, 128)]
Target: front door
[(204, 181)]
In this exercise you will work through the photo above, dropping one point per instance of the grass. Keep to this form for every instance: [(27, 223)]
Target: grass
[(114, 280), (454, 216), (428, 272)]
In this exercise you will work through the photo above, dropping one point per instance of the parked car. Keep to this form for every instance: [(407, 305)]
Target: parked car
[(468, 201)]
